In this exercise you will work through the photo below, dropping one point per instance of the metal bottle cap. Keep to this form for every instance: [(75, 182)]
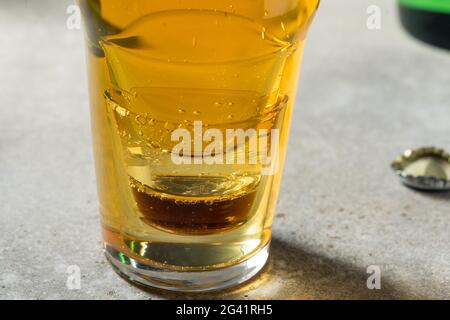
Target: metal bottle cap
[(424, 168)]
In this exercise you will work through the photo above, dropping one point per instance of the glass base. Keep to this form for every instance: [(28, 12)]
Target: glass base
[(186, 281)]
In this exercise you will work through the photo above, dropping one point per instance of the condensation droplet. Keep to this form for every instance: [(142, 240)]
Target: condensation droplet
[(122, 111), (142, 119), (155, 144)]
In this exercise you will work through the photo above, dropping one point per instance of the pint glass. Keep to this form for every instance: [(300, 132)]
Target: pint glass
[(191, 103)]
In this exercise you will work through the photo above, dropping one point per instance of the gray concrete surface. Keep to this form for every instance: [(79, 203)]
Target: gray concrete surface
[(365, 96)]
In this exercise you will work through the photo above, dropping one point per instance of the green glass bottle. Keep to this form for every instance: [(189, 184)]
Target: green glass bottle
[(427, 20)]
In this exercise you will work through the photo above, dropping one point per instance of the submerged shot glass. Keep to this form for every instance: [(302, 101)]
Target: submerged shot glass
[(191, 103)]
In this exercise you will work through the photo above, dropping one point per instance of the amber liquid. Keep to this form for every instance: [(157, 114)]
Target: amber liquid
[(159, 66)]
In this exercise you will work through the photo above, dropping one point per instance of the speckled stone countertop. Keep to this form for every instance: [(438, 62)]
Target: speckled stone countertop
[(365, 96)]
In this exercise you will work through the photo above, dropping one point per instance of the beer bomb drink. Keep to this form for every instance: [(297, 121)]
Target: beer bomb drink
[(191, 104)]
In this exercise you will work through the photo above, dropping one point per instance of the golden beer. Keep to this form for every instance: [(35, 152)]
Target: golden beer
[(218, 78)]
